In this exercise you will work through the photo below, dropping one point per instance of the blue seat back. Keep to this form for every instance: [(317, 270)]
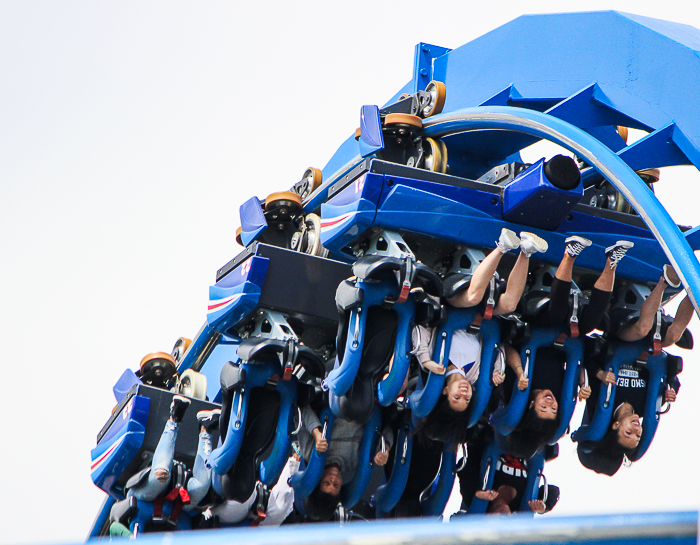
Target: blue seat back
[(304, 482), (272, 466), (600, 421), (390, 388), (535, 466), (388, 495), (427, 394), (573, 348), (656, 385), (344, 371), (506, 418), (434, 505), (353, 491), (487, 471), (224, 456)]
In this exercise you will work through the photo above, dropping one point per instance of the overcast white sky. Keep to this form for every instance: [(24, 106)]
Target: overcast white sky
[(130, 133)]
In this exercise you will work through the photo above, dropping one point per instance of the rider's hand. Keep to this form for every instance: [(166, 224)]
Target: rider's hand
[(321, 442)]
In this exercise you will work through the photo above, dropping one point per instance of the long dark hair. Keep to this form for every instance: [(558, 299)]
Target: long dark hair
[(604, 457), (531, 434), (443, 424), (320, 506)]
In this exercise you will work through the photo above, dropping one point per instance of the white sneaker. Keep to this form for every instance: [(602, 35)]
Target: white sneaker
[(617, 251), (507, 241), (531, 243), (576, 244)]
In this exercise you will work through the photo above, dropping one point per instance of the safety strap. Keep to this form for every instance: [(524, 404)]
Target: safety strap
[(491, 301), (657, 333), (263, 497), (573, 324), (642, 358), (179, 496), (573, 321), (475, 326), (290, 356)]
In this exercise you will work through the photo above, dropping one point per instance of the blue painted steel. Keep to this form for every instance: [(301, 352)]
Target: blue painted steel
[(350, 212), (371, 137), (102, 517), (473, 218), (305, 481), (390, 388), (531, 199), (253, 220), (609, 164), (506, 418), (573, 347), (434, 505), (272, 466), (353, 491), (236, 294), (656, 365), (343, 374), (535, 465), (487, 471), (224, 456), (388, 495), (423, 60), (679, 528), (124, 384), (426, 396), (119, 445)]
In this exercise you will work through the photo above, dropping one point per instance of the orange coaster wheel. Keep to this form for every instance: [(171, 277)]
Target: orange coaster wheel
[(157, 368), (403, 121), (310, 181), (435, 156), (649, 175), (284, 203), (181, 346), (358, 132), (238, 235), (437, 92)]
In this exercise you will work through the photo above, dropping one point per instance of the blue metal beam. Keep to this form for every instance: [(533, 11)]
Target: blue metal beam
[(677, 528), (602, 158)]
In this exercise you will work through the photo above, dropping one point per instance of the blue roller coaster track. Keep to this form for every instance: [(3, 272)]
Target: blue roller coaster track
[(434, 173)]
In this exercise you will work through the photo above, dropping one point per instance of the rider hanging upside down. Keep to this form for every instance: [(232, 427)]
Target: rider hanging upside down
[(341, 461), (465, 351), (625, 431), (541, 418)]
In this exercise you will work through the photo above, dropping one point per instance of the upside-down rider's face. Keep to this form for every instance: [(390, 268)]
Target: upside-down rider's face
[(629, 430), (545, 404), (331, 480), (459, 393)]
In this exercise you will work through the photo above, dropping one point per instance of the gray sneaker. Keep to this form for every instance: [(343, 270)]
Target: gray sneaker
[(576, 244), (617, 251), (531, 243)]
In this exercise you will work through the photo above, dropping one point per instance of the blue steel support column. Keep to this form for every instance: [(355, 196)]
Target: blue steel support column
[(608, 163)]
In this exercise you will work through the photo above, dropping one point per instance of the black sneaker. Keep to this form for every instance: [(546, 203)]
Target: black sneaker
[(209, 419), (617, 251), (178, 407), (576, 244)]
